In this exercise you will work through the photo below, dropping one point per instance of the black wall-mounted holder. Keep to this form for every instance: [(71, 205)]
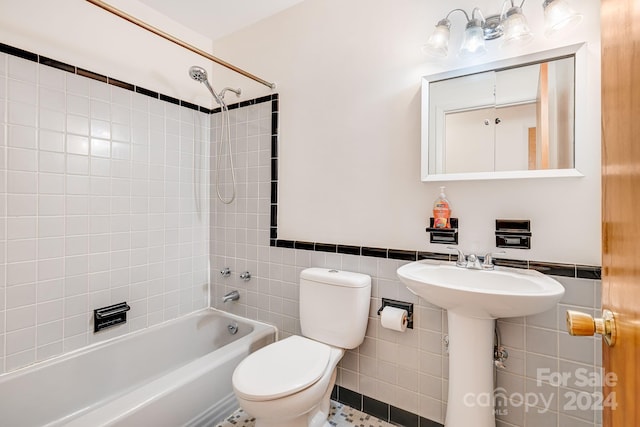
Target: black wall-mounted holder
[(513, 233), (444, 236), (112, 315), (401, 305)]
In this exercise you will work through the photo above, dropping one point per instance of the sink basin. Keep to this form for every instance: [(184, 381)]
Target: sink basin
[(473, 300), (502, 292)]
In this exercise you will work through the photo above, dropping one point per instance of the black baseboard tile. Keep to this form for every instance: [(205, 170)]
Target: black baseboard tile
[(424, 422), (350, 398), (334, 393), (403, 418), (375, 407), (379, 409)]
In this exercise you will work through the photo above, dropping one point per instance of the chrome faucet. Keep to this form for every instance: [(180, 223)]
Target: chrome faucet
[(462, 259), (231, 296), (472, 261), (488, 264)]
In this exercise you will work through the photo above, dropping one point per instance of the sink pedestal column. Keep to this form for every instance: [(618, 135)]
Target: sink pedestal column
[(471, 400)]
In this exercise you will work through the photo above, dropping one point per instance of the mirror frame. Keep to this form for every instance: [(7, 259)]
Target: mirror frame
[(580, 100)]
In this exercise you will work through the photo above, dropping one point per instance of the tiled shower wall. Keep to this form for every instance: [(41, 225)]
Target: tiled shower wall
[(407, 370), (103, 199)]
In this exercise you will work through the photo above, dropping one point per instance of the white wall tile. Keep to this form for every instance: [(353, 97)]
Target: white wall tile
[(61, 189), (77, 144), (22, 160), (22, 114), (78, 105), (52, 120), (22, 137), (52, 99), (51, 162), (78, 125), (21, 228), (23, 92), (22, 182), (52, 78), (22, 69)]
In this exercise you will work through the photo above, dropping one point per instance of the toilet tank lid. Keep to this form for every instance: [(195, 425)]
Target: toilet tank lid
[(347, 279)]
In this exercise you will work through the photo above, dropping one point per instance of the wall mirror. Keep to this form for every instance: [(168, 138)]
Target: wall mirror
[(509, 119)]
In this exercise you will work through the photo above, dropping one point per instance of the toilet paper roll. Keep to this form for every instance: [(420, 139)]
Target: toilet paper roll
[(394, 318)]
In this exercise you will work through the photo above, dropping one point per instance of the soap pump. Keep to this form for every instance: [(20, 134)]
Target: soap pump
[(441, 211)]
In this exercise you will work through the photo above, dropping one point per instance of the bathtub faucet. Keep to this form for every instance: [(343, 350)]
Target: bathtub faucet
[(231, 296)]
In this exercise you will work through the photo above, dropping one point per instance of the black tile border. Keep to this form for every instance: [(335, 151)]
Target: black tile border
[(554, 269), (30, 56), (588, 272), (379, 409)]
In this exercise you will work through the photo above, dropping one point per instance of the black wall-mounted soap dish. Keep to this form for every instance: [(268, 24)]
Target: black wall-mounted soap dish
[(106, 317), (513, 233), (444, 236)]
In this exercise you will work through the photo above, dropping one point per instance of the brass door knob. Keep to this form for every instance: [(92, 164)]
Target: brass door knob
[(582, 324)]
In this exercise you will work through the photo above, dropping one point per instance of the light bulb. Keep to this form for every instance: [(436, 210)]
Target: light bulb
[(438, 43), (473, 42), (516, 28), (559, 15)]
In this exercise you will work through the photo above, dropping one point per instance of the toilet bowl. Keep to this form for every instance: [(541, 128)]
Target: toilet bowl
[(289, 383), (294, 390)]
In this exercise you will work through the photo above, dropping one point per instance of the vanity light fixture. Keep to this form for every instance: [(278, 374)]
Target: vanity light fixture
[(511, 24)]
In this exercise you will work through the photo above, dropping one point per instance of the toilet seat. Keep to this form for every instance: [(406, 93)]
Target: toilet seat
[(281, 369)]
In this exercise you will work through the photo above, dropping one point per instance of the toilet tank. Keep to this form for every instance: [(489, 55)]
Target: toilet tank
[(334, 306)]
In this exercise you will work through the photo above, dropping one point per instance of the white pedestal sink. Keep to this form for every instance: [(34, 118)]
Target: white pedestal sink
[(473, 300)]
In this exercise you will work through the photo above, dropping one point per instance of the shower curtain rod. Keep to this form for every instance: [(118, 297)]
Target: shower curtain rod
[(179, 42)]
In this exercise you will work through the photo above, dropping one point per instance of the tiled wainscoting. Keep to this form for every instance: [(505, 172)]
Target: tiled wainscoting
[(103, 199), (407, 371)]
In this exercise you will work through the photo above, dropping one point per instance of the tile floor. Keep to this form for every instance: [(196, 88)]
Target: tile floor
[(340, 416)]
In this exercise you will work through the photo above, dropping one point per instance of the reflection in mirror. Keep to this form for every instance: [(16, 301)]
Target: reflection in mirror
[(501, 120)]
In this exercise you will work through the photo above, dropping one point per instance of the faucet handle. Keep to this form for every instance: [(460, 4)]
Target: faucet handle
[(462, 259), (487, 264)]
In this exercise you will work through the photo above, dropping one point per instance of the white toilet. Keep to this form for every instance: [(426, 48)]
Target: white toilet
[(289, 383)]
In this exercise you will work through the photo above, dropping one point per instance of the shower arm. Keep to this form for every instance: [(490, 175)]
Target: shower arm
[(179, 42), (238, 91)]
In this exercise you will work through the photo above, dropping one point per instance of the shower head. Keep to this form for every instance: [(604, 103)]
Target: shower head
[(198, 74)]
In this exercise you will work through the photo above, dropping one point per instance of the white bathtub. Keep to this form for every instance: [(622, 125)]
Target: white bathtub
[(174, 374)]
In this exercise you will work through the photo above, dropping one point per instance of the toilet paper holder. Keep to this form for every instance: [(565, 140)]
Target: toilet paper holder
[(401, 305)]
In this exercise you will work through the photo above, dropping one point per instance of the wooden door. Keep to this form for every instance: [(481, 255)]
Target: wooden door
[(620, 27)]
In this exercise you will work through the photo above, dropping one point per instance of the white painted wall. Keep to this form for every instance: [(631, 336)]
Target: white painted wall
[(348, 75), (81, 34)]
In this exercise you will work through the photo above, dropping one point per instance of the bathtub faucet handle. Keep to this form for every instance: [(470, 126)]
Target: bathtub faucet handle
[(225, 272), (245, 276), (231, 296)]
